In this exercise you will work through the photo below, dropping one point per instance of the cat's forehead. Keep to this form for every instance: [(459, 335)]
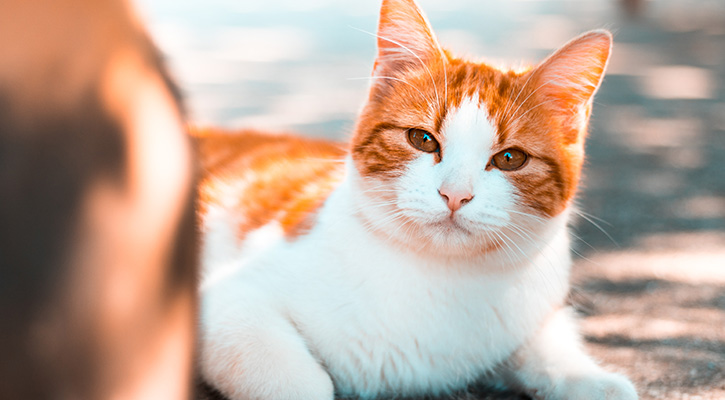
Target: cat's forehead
[(490, 88), (466, 79), (469, 124)]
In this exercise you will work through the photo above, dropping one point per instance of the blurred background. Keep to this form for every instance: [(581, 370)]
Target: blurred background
[(650, 271)]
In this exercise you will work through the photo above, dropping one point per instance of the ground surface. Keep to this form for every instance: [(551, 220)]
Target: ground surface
[(652, 288)]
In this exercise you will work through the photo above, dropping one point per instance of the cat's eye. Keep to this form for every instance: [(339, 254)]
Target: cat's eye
[(423, 140), (509, 159)]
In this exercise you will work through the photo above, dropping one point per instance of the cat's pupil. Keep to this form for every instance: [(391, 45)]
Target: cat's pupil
[(422, 140), (509, 160)]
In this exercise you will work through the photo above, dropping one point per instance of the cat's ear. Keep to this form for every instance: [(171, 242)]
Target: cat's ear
[(570, 77), (405, 38)]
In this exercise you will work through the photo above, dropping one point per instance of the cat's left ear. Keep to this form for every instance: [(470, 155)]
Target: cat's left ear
[(570, 77)]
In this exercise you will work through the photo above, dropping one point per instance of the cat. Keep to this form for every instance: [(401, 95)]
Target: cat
[(429, 253)]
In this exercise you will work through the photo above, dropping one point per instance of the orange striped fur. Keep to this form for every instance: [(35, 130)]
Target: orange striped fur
[(283, 177)]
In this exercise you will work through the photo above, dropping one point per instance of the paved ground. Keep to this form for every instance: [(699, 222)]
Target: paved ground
[(650, 275)]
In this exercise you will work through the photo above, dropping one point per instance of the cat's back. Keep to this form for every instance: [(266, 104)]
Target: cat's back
[(256, 178)]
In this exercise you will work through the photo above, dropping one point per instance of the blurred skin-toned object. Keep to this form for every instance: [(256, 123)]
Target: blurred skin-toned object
[(97, 254)]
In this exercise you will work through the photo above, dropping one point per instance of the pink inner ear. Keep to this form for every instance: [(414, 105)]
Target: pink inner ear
[(574, 72), (405, 38)]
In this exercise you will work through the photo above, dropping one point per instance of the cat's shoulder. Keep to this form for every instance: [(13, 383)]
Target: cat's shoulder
[(263, 176), (226, 150)]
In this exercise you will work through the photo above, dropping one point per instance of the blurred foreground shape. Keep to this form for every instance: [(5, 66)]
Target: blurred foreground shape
[(97, 256)]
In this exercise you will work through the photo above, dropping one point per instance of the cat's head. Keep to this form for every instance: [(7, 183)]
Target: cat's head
[(458, 157)]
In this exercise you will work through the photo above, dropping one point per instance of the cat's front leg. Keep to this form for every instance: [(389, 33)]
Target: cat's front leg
[(260, 357), (552, 365)]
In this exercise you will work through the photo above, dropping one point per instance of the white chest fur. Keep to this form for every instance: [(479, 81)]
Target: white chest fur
[(378, 319)]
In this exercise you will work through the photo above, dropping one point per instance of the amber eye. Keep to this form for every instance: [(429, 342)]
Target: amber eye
[(509, 160), (422, 140)]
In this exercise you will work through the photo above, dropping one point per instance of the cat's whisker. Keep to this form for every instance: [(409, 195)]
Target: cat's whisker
[(571, 248), (397, 80), (511, 104), (379, 225), (540, 220), (589, 219), (527, 111), (536, 218), (580, 239), (377, 196), (585, 258), (407, 228), (392, 217), (520, 250), (528, 97), (381, 204), (379, 199), (372, 191), (445, 81), (397, 43), (507, 249), (382, 185), (535, 242), (522, 233), (594, 217)]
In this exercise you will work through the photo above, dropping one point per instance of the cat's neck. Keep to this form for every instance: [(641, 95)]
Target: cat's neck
[(343, 216)]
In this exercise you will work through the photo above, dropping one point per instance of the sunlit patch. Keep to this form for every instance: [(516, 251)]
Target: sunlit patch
[(658, 183), (644, 134), (636, 327), (269, 44), (679, 82), (631, 59), (664, 256), (549, 31), (701, 207)]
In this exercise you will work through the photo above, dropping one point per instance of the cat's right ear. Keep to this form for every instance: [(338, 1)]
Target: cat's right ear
[(405, 39), (571, 76)]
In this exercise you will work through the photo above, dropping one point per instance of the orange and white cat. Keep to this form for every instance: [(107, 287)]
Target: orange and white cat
[(431, 253)]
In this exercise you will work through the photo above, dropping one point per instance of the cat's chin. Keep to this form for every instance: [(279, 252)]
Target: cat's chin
[(451, 225), (447, 238)]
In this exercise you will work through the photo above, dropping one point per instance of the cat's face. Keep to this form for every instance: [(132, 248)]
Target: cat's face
[(459, 158)]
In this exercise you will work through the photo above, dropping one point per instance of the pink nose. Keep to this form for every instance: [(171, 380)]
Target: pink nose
[(455, 199)]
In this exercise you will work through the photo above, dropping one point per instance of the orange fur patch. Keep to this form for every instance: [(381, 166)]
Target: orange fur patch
[(271, 177)]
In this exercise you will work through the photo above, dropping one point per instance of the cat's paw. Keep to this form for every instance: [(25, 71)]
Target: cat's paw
[(601, 386)]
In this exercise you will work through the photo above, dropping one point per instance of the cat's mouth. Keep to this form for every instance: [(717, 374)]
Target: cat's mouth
[(452, 224)]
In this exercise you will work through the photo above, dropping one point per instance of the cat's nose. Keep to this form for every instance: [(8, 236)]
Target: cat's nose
[(455, 198)]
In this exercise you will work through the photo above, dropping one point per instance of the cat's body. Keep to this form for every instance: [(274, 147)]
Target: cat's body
[(434, 253)]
